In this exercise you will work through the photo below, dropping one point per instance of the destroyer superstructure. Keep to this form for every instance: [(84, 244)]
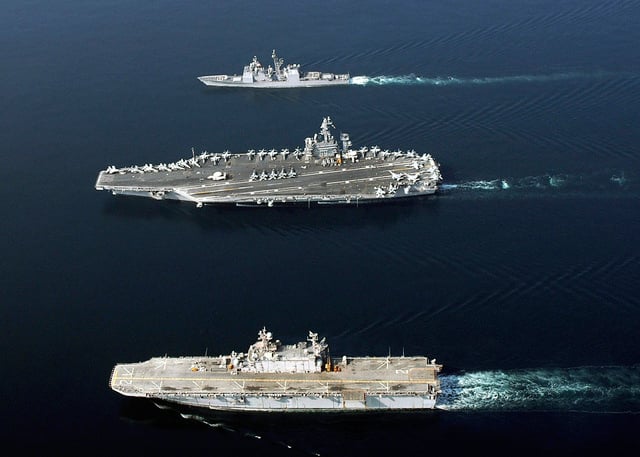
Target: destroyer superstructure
[(278, 76), (322, 172), (271, 376)]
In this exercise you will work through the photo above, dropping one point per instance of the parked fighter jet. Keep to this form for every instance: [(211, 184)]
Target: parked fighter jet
[(397, 176), (413, 178)]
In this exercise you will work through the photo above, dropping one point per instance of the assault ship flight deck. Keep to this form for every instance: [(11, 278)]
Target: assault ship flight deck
[(271, 376), (289, 76), (320, 173)]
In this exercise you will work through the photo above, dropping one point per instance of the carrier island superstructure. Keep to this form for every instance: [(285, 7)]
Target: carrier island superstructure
[(321, 172), (272, 376)]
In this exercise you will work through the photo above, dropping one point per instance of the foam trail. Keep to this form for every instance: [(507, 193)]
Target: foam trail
[(620, 179), (613, 389), (614, 181), (241, 431), (201, 419), (495, 184), (412, 79)]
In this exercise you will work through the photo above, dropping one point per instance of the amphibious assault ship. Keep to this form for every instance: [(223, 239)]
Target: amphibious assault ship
[(271, 376), (278, 76), (322, 172)]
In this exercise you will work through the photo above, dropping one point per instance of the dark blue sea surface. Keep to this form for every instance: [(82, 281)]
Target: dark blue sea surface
[(521, 276)]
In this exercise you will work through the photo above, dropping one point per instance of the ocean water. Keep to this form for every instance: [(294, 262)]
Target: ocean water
[(521, 276)]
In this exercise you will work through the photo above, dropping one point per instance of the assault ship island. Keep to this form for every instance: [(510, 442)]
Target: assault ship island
[(278, 76), (272, 376), (320, 173)]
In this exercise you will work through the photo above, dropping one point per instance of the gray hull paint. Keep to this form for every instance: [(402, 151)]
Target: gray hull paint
[(272, 376), (304, 403), (288, 76), (211, 81), (251, 202), (320, 173)]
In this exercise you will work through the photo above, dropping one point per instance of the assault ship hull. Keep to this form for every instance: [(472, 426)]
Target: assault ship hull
[(321, 173), (286, 378), (289, 76)]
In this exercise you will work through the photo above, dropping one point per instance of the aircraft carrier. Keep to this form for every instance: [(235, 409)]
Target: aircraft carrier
[(271, 376), (322, 172), (279, 76)]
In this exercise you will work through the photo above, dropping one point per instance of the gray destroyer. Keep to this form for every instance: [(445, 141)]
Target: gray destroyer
[(271, 376), (322, 172), (278, 76)]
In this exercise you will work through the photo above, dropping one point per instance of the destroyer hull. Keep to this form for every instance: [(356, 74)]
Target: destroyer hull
[(230, 81), (278, 76)]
